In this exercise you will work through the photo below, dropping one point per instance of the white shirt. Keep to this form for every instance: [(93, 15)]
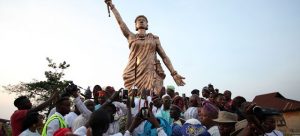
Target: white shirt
[(191, 113), (27, 132), (139, 103), (69, 118), (54, 125), (52, 111), (214, 131), (156, 110), (82, 108), (84, 116), (274, 133), (121, 108), (78, 122), (140, 130), (149, 99), (114, 128), (83, 130)]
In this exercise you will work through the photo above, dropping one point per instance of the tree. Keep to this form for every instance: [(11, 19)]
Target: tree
[(39, 91)]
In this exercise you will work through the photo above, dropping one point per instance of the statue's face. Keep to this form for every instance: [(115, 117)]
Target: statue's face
[(141, 23)]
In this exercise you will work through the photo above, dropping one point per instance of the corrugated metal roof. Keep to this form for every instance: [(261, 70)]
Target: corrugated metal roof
[(277, 101)]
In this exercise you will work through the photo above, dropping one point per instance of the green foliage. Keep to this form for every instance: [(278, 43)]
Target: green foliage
[(40, 91)]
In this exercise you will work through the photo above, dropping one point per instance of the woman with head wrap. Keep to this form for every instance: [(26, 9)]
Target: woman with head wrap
[(179, 101), (207, 113), (102, 97), (193, 127)]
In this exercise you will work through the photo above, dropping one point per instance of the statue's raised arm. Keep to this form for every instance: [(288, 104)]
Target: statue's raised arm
[(126, 32), (144, 69)]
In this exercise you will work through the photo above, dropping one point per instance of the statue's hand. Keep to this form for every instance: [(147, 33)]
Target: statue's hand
[(179, 79), (108, 2)]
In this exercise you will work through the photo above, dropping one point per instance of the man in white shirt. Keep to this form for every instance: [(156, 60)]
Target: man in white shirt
[(63, 105), (157, 104), (71, 116), (139, 102), (57, 120), (269, 126), (83, 118)]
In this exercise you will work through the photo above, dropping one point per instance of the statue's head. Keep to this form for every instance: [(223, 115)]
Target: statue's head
[(141, 22)]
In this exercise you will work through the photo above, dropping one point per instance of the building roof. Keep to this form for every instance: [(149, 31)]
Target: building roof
[(277, 101), (3, 120)]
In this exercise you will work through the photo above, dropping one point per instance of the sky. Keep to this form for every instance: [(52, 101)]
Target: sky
[(249, 47)]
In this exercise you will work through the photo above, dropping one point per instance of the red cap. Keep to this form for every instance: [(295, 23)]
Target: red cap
[(62, 132)]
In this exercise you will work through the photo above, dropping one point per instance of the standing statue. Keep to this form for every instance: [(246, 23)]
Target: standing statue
[(144, 69)]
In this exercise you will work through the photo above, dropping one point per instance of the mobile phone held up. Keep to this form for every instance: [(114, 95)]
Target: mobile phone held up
[(144, 113), (125, 95)]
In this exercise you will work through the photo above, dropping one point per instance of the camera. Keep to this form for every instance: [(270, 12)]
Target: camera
[(262, 111), (71, 88), (125, 94)]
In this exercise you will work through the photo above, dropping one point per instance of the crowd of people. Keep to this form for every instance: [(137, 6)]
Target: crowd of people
[(110, 112)]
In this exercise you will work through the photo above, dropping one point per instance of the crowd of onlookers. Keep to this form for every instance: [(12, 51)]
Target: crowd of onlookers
[(107, 111)]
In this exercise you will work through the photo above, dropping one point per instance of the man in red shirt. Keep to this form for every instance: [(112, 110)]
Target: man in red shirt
[(24, 107), (228, 100)]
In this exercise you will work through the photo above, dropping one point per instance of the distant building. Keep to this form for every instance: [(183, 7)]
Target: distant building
[(289, 122), (5, 129)]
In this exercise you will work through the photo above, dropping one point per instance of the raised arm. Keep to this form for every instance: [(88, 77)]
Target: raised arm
[(177, 78), (46, 103), (126, 32)]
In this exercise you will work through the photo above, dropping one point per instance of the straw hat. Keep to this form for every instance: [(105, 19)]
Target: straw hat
[(226, 117), (239, 126)]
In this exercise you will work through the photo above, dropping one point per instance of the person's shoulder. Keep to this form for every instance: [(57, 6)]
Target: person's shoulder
[(152, 35), (19, 113), (214, 130), (279, 133), (80, 131), (117, 134)]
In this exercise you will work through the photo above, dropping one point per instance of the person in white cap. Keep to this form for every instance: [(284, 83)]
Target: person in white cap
[(165, 112)]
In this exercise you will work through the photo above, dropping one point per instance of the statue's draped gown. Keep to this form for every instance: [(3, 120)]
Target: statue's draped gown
[(143, 68)]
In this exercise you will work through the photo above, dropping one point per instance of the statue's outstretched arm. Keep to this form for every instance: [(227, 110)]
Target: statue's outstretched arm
[(126, 32), (177, 78)]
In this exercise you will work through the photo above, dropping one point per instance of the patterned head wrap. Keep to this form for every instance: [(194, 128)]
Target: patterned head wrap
[(211, 109), (192, 127)]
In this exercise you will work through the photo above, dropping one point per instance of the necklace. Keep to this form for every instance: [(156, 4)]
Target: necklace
[(141, 36)]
